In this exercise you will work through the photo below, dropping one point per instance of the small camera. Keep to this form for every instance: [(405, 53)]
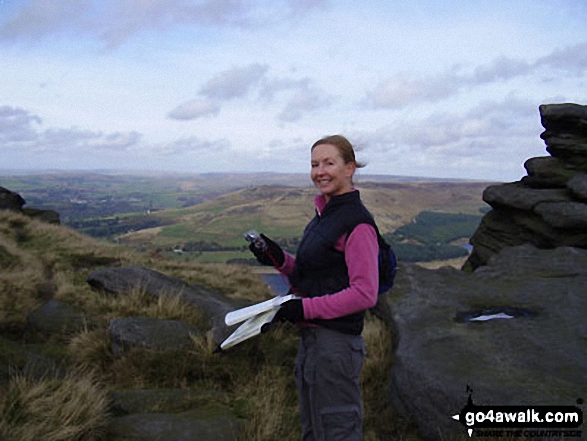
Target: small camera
[(255, 238), (252, 235)]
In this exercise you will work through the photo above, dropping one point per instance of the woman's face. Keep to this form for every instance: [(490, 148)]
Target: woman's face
[(330, 174)]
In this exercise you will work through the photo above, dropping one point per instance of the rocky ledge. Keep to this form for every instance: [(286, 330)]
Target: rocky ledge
[(548, 207), (513, 332), (12, 201)]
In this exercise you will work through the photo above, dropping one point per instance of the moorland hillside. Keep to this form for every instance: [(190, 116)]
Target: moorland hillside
[(281, 212), (60, 378)]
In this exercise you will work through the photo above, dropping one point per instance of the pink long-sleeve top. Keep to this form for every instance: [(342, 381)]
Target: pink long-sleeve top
[(361, 255)]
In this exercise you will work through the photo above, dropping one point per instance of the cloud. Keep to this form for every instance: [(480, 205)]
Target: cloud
[(572, 59), (486, 123), (115, 21), (404, 89), (500, 69), (39, 18), (21, 130), (17, 125), (194, 109), (273, 86), (225, 86), (233, 83), (192, 144), (115, 141), (305, 99), (493, 135), (301, 95), (75, 140)]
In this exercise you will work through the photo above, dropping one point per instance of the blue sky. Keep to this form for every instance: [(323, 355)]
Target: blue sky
[(441, 89)]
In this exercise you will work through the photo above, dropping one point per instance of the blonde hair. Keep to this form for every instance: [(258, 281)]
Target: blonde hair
[(344, 147)]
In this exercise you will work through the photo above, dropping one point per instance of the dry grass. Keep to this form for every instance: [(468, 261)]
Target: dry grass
[(51, 409), (90, 350), (268, 389), (381, 422), (273, 414), (235, 281), (21, 276), (138, 303)]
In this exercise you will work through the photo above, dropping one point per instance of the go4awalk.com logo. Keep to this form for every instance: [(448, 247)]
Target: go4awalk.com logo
[(521, 421)]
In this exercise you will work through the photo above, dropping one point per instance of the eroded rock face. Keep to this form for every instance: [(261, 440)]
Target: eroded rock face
[(202, 425), (548, 207), (538, 357), (150, 333), (213, 304), (55, 318), (10, 200)]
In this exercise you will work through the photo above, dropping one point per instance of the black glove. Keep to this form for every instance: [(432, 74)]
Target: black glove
[(272, 255), (290, 311)]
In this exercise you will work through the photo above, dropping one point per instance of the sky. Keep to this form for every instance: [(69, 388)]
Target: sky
[(445, 88)]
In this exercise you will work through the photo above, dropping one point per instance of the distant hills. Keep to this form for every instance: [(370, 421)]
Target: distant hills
[(282, 212), (207, 213)]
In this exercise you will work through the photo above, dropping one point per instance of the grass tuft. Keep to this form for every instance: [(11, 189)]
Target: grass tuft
[(52, 409)]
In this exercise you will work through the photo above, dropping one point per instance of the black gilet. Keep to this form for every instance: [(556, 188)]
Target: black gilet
[(319, 268)]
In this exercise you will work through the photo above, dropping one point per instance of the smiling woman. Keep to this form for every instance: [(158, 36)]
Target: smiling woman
[(333, 165), (335, 277)]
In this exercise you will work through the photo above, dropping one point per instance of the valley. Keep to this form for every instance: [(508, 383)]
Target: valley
[(202, 217)]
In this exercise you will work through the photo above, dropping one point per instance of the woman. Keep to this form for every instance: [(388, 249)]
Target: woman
[(335, 273)]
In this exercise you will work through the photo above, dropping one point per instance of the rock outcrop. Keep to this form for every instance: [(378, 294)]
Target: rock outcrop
[(189, 415), (55, 318), (185, 426), (213, 304), (150, 333), (536, 357), (10, 200), (548, 207)]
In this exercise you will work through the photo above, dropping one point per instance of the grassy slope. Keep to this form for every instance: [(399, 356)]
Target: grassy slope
[(284, 211), (41, 261)]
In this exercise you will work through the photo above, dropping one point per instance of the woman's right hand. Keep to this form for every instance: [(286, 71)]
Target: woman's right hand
[(271, 255)]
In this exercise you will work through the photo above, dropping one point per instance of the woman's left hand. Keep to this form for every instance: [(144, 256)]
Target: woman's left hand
[(290, 311)]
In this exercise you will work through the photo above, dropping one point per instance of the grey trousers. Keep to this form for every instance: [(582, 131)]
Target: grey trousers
[(327, 372)]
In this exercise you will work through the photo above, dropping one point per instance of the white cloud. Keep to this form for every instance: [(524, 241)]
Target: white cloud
[(233, 83), (115, 141), (488, 122), (39, 18), (116, 21), (224, 86), (274, 86), (402, 90), (572, 59), (304, 100), (302, 95), (466, 144), (194, 109), (502, 68), (21, 130), (17, 125), (405, 89), (192, 145)]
